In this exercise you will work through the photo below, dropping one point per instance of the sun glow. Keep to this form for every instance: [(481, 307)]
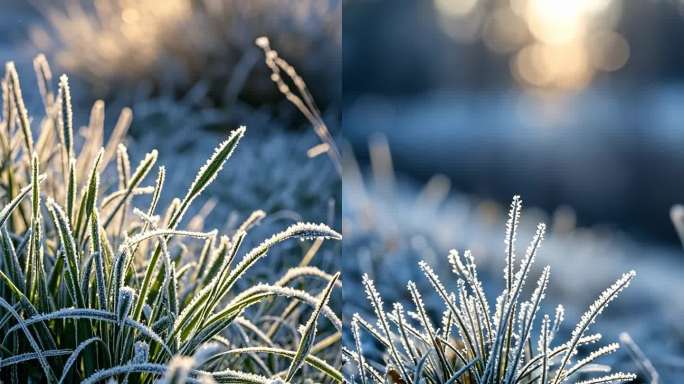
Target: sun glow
[(553, 44)]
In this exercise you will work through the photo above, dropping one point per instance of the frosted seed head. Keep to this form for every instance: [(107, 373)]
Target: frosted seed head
[(10, 67), (262, 42), (271, 55)]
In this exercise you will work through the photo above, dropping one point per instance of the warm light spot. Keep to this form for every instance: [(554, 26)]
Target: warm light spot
[(561, 66), (569, 65), (555, 44), (555, 22)]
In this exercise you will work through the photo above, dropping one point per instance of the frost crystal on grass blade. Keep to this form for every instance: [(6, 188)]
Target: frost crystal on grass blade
[(12, 79), (511, 231), (66, 115), (210, 170), (589, 317), (90, 300), (490, 348)]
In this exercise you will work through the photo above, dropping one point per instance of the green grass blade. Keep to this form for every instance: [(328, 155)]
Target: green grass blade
[(71, 255), (14, 203), (308, 332), (32, 341), (18, 101)]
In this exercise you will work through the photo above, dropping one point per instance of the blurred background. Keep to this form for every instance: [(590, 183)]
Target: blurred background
[(453, 106), (576, 102)]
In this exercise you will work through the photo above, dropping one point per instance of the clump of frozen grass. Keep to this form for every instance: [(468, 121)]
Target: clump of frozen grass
[(509, 342), (95, 287)]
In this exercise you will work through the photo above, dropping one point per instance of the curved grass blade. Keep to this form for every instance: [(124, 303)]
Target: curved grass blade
[(308, 332)]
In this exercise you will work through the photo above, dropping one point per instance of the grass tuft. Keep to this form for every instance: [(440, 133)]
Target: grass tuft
[(478, 344), (109, 288)]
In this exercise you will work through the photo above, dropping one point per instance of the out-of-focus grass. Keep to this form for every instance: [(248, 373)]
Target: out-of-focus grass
[(158, 46)]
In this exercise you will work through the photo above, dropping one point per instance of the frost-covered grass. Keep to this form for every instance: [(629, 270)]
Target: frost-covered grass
[(390, 223), (95, 285), (283, 171), (509, 342)]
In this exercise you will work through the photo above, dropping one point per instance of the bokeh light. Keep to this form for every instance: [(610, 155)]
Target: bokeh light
[(553, 45)]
